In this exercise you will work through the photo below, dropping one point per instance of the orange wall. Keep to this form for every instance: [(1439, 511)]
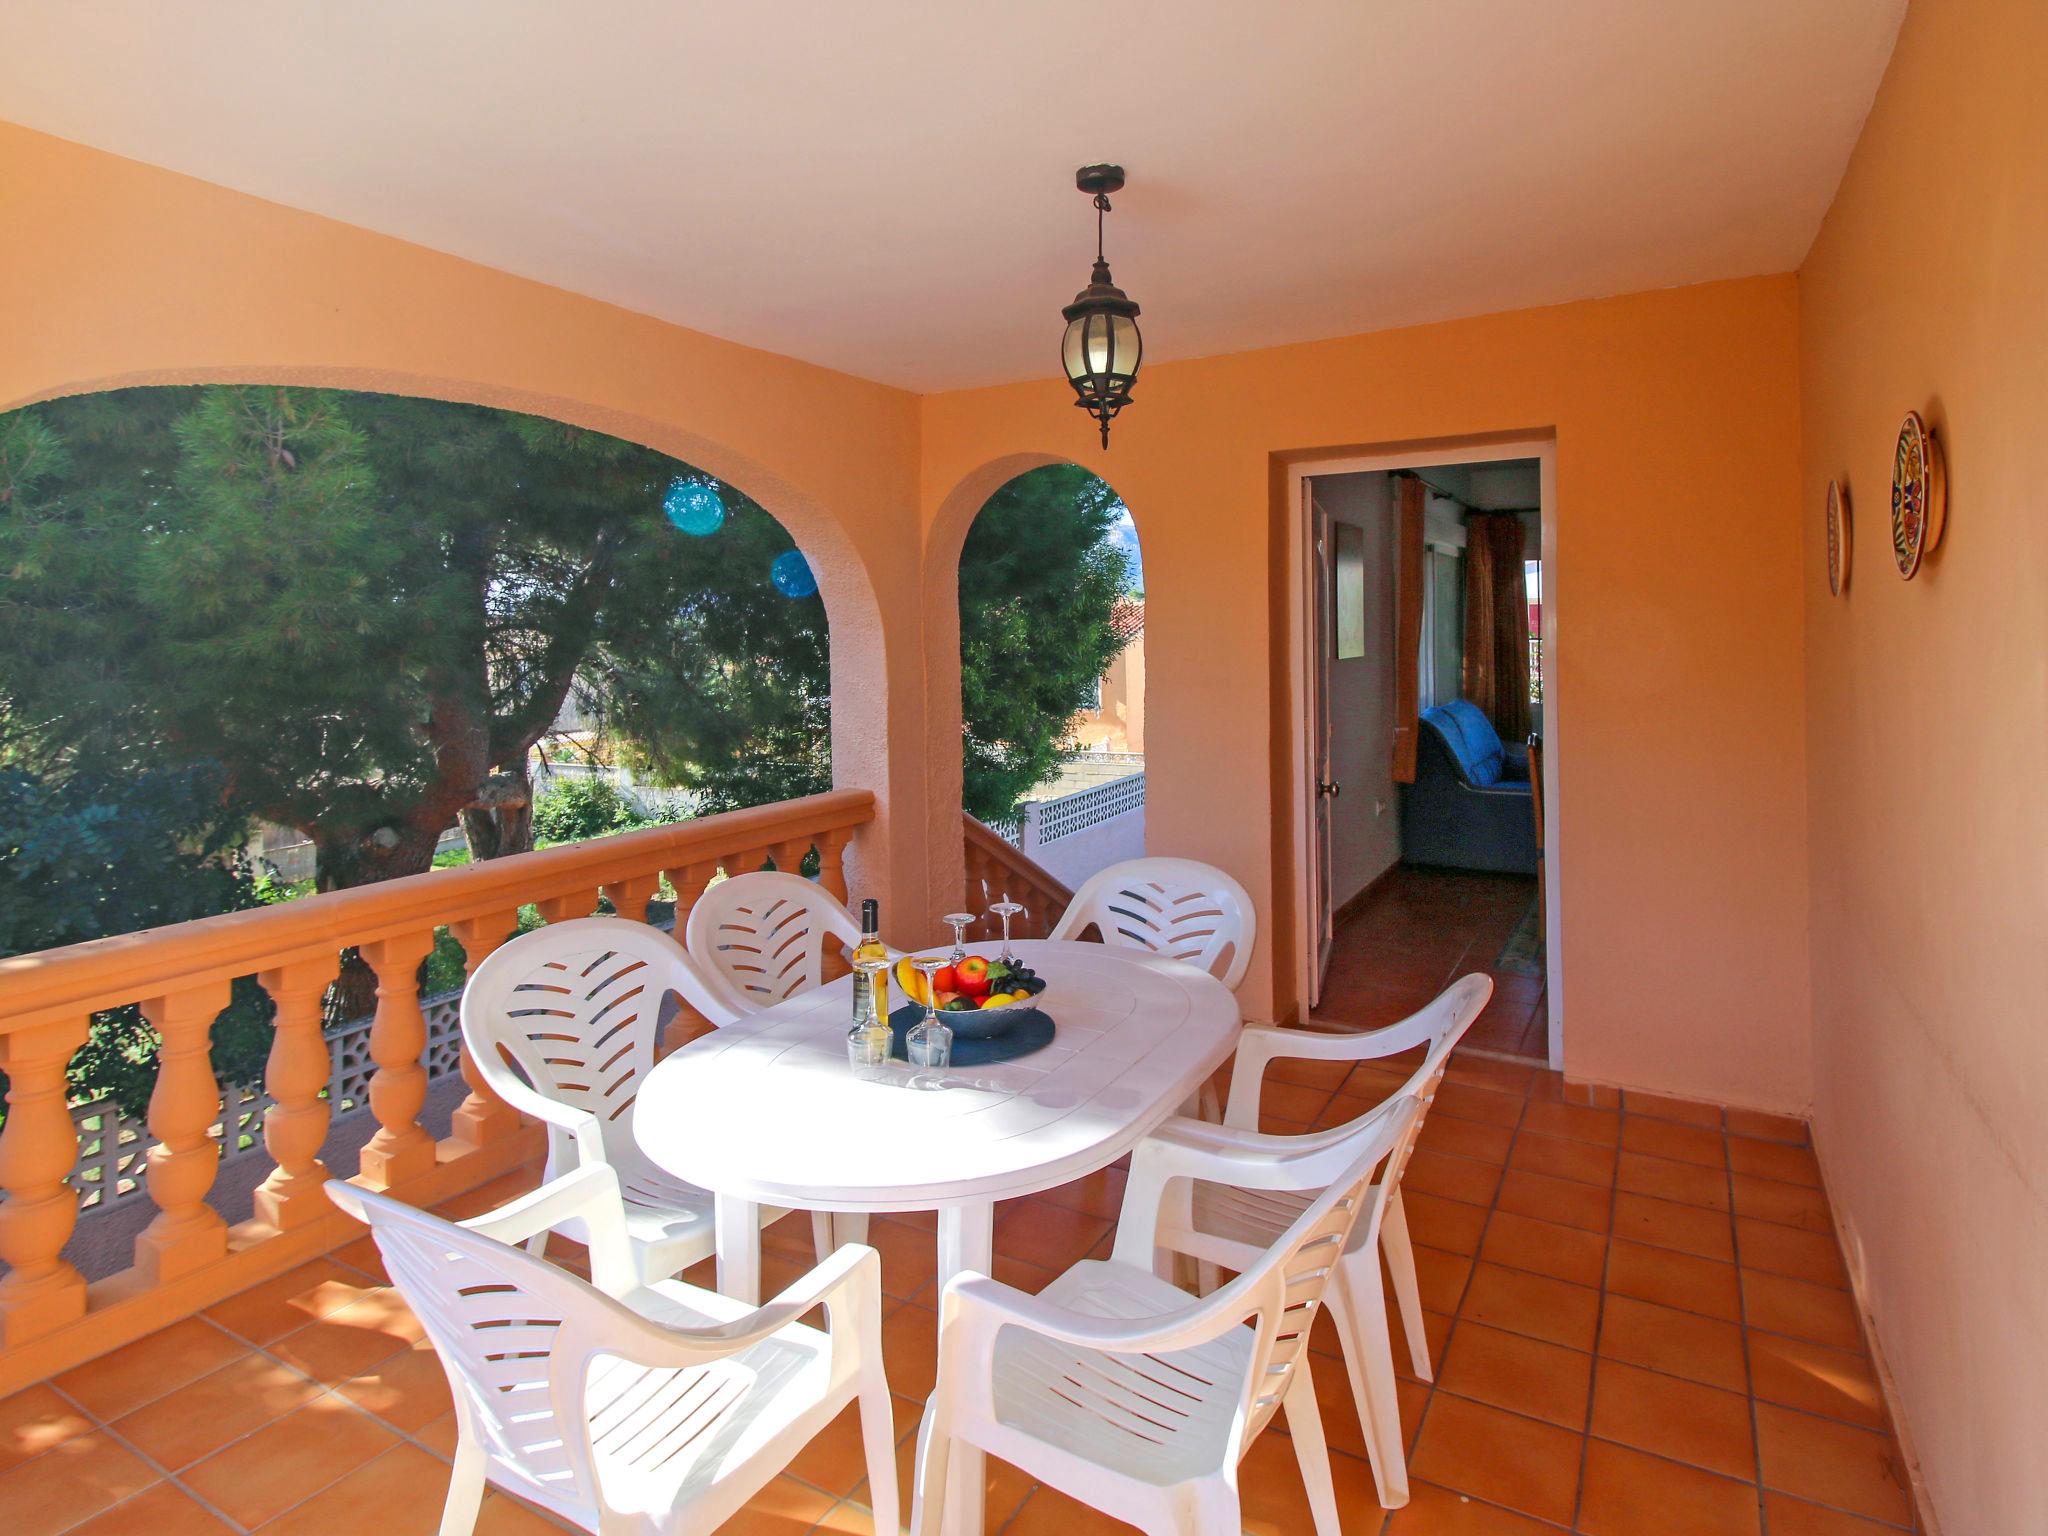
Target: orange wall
[(1927, 707), (1678, 677), (1679, 702), (128, 274)]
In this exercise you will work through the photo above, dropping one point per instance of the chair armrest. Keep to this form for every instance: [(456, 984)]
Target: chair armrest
[(590, 1195), (974, 1309), (1259, 1046), (850, 1279), (579, 1125), (1186, 1150)]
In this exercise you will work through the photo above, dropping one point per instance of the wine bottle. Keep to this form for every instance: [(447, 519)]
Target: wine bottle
[(871, 947)]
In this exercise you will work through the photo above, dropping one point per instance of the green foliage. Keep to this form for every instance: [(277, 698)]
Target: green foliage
[(755, 726), (580, 806), (364, 606), (95, 853), (1040, 621)]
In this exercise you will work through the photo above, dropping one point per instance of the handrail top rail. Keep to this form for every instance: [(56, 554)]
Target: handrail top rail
[(54, 984)]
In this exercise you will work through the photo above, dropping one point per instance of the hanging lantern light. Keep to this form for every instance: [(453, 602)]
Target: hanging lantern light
[(1102, 345)]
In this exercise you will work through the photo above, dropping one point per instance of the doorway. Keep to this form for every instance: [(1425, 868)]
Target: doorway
[(1422, 670)]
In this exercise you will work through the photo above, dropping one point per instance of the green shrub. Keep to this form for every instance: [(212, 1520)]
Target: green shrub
[(583, 806)]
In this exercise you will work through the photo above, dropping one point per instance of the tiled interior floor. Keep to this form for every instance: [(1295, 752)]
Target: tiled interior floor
[(1418, 930), (1637, 1314)]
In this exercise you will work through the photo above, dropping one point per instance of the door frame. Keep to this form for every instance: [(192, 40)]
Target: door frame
[(1323, 627), (1303, 636)]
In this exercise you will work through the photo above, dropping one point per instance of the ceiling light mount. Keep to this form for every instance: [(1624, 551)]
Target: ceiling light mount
[(1102, 347)]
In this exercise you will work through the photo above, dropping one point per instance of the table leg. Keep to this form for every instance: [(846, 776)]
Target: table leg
[(966, 1242), (849, 1227), (736, 1227)]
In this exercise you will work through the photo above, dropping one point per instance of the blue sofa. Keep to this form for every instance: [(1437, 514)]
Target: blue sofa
[(1469, 807)]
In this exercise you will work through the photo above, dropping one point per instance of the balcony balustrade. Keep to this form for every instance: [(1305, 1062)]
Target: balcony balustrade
[(188, 1256)]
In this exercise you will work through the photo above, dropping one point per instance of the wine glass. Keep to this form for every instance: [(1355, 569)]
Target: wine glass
[(929, 1042), (1007, 909), (958, 922), (868, 1042)]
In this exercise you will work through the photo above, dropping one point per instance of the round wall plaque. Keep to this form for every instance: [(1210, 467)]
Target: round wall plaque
[(1919, 495), (1838, 538)]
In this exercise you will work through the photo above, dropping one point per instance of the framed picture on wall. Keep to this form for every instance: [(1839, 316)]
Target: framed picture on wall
[(1348, 586)]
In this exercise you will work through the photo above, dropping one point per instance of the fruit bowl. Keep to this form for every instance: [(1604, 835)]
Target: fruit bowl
[(972, 1003)]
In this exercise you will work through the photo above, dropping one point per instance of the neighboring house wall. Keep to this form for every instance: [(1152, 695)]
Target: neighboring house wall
[(1365, 818), (1117, 723), (1927, 712)]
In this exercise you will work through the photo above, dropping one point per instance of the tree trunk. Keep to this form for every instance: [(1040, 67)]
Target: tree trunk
[(342, 863), (501, 820)]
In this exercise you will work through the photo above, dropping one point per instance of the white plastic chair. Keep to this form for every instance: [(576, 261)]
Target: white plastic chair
[(1133, 1396), (562, 1022), (658, 1409), (1219, 1225), (1176, 907), (761, 937)]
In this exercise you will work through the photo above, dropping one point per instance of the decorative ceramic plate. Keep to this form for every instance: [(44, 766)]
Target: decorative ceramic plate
[(1919, 495), (1838, 538)]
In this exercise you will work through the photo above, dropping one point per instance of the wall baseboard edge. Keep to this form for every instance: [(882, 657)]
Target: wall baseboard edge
[(1851, 1247)]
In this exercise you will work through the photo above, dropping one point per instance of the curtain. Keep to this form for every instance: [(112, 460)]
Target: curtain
[(1497, 622)]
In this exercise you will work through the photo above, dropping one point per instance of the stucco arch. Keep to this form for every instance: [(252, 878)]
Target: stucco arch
[(945, 536), (140, 276)]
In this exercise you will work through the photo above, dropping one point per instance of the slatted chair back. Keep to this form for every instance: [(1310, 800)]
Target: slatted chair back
[(515, 1334), (1445, 1021), (762, 936), (1179, 908), (572, 1012), (1292, 1278)]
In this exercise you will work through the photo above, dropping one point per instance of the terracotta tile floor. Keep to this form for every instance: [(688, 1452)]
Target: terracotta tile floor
[(1416, 932), (1636, 1313)]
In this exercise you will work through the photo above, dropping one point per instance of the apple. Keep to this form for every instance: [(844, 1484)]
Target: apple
[(972, 975)]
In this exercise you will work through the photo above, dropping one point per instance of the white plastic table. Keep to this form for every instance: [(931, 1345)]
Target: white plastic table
[(767, 1111)]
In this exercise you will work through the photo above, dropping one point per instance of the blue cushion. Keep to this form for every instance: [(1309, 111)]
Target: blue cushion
[(1472, 740)]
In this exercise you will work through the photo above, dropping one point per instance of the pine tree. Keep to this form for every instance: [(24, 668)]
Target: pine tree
[(367, 609), (1041, 618)]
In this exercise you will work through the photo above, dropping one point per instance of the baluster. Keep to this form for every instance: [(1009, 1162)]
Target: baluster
[(401, 1149), (570, 905), (296, 1124), (186, 1233), (832, 862), (689, 882), (38, 1150), (482, 1117), (789, 855), (629, 896)]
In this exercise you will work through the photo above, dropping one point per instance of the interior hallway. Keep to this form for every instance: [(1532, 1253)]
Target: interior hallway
[(1419, 929)]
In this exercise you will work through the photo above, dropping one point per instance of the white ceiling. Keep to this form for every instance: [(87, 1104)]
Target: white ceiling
[(885, 186)]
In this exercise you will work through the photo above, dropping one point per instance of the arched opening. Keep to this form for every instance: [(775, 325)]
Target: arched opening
[(379, 616), (1051, 615), (859, 723), (266, 638)]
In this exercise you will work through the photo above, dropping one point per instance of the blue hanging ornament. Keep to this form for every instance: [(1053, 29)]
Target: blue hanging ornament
[(695, 507), (792, 576)]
